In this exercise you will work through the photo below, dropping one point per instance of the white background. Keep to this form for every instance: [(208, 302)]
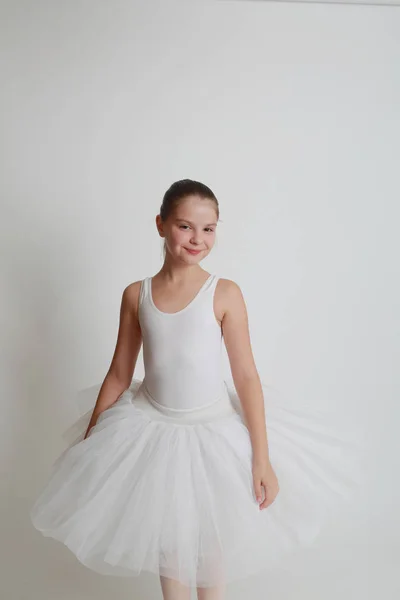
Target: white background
[(290, 113)]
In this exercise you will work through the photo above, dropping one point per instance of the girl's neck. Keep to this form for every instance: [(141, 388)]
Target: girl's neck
[(178, 273)]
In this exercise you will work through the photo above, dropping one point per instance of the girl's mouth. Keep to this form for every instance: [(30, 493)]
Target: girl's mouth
[(194, 252)]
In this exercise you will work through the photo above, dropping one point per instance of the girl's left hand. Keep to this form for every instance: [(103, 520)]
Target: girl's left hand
[(264, 477)]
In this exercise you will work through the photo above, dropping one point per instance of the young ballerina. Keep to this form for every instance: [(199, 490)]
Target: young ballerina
[(175, 474)]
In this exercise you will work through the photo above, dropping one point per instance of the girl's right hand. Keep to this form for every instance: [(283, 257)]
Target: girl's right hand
[(88, 430), (86, 434), (92, 422)]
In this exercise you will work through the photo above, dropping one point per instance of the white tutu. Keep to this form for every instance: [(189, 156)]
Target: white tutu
[(174, 496)]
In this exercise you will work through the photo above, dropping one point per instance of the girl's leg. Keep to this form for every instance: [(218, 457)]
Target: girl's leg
[(173, 589), (212, 593)]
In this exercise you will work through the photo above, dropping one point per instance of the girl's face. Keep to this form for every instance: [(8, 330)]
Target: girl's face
[(190, 230)]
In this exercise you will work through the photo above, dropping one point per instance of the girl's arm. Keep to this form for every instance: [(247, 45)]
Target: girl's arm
[(244, 372), (129, 341)]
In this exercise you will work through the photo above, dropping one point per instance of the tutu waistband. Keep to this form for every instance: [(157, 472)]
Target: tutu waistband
[(220, 408)]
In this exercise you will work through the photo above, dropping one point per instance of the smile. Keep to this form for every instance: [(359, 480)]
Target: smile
[(193, 251)]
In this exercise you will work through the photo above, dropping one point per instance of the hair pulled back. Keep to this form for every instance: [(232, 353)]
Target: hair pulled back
[(180, 190)]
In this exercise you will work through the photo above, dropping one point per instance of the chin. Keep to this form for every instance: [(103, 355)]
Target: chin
[(192, 259)]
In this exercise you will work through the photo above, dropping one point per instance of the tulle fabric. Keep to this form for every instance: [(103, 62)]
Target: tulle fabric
[(147, 492)]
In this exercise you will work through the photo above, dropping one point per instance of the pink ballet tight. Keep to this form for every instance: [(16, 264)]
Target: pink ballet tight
[(175, 590), (213, 593)]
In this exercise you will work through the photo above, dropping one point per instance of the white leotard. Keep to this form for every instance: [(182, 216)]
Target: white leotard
[(182, 351)]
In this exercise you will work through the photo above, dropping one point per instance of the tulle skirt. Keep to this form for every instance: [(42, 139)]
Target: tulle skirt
[(172, 493)]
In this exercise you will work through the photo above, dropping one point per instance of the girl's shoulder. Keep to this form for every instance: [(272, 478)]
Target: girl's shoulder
[(133, 288), (228, 294), (228, 286), (131, 294)]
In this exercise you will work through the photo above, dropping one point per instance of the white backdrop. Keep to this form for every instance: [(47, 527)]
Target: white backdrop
[(289, 112)]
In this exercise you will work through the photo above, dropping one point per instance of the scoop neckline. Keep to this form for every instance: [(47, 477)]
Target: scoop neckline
[(168, 314)]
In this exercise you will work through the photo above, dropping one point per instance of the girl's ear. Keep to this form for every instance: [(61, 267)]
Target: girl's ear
[(160, 226)]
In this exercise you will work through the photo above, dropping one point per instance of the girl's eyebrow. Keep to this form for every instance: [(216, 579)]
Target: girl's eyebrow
[(186, 221)]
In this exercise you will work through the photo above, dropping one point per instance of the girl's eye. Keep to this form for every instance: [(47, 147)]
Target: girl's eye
[(208, 229)]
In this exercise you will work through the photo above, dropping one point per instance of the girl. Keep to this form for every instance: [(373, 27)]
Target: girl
[(175, 474)]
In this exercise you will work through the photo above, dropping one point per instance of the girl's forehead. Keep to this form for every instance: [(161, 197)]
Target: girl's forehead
[(201, 222), (194, 207)]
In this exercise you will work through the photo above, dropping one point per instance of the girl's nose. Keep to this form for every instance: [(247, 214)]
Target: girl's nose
[(196, 239)]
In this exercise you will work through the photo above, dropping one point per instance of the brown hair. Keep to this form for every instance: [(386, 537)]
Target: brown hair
[(180, 190)]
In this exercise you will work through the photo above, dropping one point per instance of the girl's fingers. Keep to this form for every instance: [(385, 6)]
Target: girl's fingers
[(269, 498), (265, 503), (257, 490)]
